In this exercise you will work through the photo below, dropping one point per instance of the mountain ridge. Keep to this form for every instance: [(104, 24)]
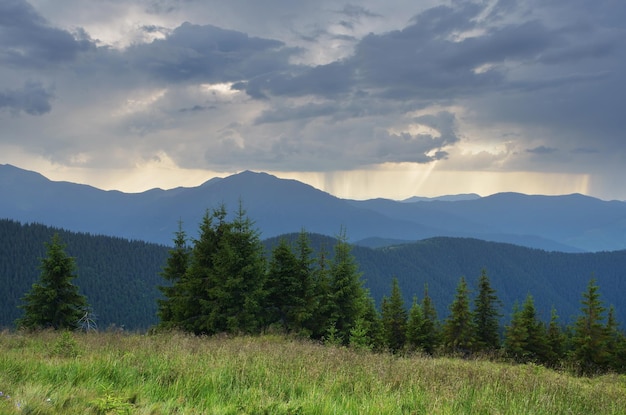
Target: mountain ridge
[(567, 223)]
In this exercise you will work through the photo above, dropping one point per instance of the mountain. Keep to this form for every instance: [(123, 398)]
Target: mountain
[(445, 198), (571, 223), (120, 277)]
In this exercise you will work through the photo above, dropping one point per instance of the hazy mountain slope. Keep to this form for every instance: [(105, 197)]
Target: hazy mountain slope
[(278, 206), (572, 223)]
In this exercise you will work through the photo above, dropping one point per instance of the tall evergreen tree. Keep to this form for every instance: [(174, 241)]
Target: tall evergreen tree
[(196, 307), (415, 326), (516, 336), (173, 272), (616, 343), (394, 317), (525, 338), (239, 264), (431, 329), (536, 342), (304, 314), (54, 301), (590, 352), (459, 333), (346, 289), (372, 322), (555, 341), (486, 315), (322, 297), (222, 288), (285, 301)]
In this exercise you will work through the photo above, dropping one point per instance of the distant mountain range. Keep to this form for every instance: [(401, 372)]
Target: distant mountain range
[(570, 223)]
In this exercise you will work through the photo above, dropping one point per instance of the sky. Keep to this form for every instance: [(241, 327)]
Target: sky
[(361, 99)]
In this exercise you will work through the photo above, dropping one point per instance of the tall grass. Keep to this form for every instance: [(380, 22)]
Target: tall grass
[(174, 373)]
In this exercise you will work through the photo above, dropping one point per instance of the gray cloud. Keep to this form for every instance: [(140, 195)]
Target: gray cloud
[(320, 85), (542, 150), (32, 99), (27, 40), (208, 54)]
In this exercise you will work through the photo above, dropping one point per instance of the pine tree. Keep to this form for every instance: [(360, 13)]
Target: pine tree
[(590, 352), (431, 329), (415, 326), (346, 288), (486, 315), (536, 342), (222, 288), (173, 272), (615, 343), (555, 340), (516, 336), (525, 338), (239, 264), (373, 323), (284, 299), (394, 317), (53, 301), (458, 329), (306, 280), (322, 298), (196, 307)]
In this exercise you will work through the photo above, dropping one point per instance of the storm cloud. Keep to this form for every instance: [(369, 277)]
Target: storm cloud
[(317, 86)]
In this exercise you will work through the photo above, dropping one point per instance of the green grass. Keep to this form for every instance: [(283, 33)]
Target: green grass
[(173, 373)]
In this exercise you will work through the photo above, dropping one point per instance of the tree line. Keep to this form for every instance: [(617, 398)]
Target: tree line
[(222, 282)]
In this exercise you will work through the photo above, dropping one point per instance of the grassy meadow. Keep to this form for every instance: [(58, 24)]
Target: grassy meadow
[(173, 373)]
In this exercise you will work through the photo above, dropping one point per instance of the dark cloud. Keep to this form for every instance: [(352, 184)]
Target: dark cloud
[(542, 150), (355, 11), (421, 147), (32, 99), (27, 40), (505, 84), (198, 108), (208, 54)]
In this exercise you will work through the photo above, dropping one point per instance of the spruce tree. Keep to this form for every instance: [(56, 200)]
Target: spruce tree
[(54, 301), (555, 340), (197, 292), (239, 265), (486, 315), (590, 352), (372, 322), (322, 298), (516, 336), (173, 272), (346, 289), (304, 313), (616, 343), (222, 288), (394, 317), (284, 299), (536, 342), (415, 326), (525, 338), (458, 331), (431, 329)]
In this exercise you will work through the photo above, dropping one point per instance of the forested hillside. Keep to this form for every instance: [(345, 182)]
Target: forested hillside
[(119, 277), (554, 279)]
